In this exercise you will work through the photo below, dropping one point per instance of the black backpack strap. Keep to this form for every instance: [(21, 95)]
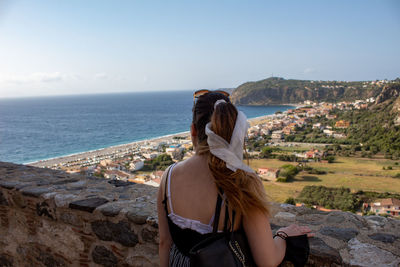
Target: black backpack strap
[(226, 229), (226, 218), (233, 220), (217, 213)]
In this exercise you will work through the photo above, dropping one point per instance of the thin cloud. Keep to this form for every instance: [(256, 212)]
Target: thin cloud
[(309, 70), (101, 76), (38, 77), (47, 77)]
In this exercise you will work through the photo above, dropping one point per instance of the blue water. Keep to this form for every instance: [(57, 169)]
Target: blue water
[(33, 129)]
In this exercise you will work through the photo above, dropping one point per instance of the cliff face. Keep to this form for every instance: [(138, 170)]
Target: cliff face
[(396, 111), (51, 218), (388, 92), (281, 91), (390, 96)]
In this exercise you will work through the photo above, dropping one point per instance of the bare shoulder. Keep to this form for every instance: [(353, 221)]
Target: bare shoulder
[(185, 165)]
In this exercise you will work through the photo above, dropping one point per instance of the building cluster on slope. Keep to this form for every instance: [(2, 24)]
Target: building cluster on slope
[(287, 122)]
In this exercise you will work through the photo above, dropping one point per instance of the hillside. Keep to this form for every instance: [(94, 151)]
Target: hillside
[(371, 130), (281, 91)]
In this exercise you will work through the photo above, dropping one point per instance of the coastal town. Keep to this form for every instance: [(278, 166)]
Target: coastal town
[(124, 161), (144, 161)]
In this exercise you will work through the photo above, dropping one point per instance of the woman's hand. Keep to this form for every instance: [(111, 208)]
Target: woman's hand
[(295, 230)]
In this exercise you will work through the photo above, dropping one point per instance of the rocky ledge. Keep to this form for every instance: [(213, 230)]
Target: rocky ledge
[(52, 218), (343, 238)]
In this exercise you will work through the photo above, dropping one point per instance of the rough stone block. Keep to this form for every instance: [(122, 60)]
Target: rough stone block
[(385, 238), (363, 254), (40, 255), (376, 220), (149, 235), (118, 183), (88, 205), (104, 257), (8, 184), (344, 234), (321, 252), (71, 218), (143, 255), (18, 200), (63, 200), (335, 217), (3, 200), (77, 185), (285, 216), (19, 186), (42, 182), (313, 219), (6, 260), (111, 209), (119, 232), (35, 191), (138, 215), (65, 181)]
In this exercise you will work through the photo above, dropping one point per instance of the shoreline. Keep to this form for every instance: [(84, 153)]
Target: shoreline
[(122, 147), (102, 151)]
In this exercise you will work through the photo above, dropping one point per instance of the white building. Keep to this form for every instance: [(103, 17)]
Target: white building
[(136, 165)]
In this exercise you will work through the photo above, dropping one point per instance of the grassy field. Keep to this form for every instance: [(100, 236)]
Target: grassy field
[(355, 173)]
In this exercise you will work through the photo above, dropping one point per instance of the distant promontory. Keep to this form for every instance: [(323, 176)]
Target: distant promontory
[(277, 90)]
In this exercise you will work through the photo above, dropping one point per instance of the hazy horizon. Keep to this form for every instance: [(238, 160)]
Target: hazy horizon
[(76, 47), (152, 91)]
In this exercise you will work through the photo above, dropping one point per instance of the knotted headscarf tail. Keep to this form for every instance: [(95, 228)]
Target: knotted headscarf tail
[(231, 153)]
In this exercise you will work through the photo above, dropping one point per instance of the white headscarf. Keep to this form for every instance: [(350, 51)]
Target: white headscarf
[(231, 153)]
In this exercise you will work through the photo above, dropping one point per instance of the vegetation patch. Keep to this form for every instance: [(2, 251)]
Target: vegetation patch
[(331, 198), (161, 162)]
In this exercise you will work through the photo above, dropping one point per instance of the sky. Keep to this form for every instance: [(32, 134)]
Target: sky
[(103, 46)]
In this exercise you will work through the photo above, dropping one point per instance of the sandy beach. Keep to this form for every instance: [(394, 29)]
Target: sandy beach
[(104, 151), (112, 150)]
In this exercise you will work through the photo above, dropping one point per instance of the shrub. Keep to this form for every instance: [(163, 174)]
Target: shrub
[(266, 152), (159, 163), (287, 173), (389, 168), (284, 157), (290, 200), (330, 159), (316, 171)]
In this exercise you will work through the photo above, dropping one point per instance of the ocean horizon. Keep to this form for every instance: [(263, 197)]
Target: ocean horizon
[(40, 128)]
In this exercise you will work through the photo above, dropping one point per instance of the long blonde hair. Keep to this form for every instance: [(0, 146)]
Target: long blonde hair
[(244, 191)]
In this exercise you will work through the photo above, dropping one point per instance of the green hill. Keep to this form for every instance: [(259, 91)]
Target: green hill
[(375, 129), (281, 91)]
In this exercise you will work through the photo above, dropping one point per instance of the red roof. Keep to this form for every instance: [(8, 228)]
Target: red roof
[(390, 201)]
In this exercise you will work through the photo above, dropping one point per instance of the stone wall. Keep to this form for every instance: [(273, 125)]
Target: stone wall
[(51, 218)]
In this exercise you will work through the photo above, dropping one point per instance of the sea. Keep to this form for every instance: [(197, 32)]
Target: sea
[(39, 128)]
